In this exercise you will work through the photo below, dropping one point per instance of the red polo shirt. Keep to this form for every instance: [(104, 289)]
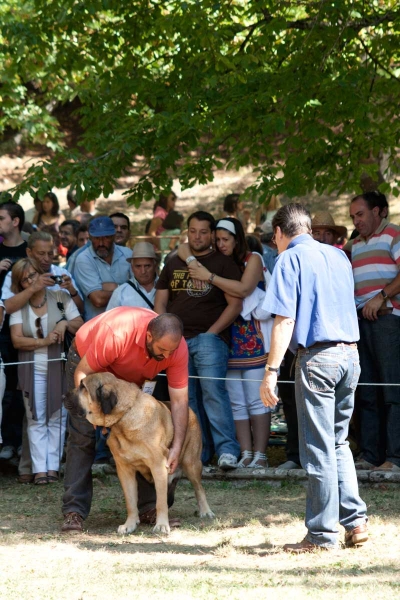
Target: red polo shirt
[(115, 341)]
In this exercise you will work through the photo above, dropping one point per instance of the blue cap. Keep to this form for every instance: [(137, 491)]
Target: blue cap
[(101, 226)]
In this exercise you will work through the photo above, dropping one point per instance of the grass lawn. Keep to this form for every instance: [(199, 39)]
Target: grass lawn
[(236, 556)]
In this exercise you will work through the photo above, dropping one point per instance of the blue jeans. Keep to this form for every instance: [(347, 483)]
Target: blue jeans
[(326, 378), (379, 407), (208, 357)]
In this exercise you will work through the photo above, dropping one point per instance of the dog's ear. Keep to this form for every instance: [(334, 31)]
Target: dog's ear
[(107, 398)]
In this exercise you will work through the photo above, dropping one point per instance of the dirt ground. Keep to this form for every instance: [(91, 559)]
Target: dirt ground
[(238, 555)]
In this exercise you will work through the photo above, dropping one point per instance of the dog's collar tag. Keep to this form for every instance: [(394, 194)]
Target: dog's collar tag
[(148, 387)]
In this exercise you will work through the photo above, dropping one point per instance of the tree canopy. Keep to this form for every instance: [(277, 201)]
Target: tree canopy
[(304, 92)]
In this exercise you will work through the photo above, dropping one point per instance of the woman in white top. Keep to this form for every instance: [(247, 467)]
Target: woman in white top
[(37, 331)]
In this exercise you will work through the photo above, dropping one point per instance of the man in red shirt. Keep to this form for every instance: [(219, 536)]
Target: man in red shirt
[(135, 345)]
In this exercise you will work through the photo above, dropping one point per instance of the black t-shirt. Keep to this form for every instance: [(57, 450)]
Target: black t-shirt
[(14, 253), (198, 308)]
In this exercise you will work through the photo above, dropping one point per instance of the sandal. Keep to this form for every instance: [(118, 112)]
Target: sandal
[(254, 463), (40, 480), (53, 478), (246, 455)]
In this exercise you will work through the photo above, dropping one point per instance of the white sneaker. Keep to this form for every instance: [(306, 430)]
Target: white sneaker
[(288, 465), (209, 469), (227, 462), (6, 453)]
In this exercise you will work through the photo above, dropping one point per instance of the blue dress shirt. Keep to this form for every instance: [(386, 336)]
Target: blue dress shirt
[(313, 284), (91, 272)]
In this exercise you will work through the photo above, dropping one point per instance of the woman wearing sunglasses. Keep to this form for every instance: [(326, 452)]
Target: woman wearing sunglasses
[(37, 331)]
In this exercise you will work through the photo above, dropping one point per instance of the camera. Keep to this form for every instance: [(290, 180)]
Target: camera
[(57, 279)]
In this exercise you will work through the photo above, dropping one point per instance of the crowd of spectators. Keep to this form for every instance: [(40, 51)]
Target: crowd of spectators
[(58, 273)]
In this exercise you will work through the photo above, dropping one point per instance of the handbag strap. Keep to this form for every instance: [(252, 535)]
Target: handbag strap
[(141, 294), (60, 304)]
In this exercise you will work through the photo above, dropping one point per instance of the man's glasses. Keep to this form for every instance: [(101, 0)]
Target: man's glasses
[(29, 277), (39, 330)]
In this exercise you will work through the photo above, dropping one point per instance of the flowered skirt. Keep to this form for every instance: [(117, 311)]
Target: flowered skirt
[(247, 345)]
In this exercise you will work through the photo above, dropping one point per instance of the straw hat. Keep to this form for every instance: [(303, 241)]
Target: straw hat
[(143, 250), (324, 220)]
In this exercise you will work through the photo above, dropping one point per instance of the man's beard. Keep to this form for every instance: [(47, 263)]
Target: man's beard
[(103, 252), (157, 357)]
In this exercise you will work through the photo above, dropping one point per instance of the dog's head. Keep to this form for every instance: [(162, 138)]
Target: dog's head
[(95, 398)]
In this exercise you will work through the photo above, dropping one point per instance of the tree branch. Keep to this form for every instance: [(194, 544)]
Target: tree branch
[(377, 62), (307, 24)]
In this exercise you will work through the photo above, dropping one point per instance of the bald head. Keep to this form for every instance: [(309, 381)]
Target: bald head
[(164, 334), (165, 325)]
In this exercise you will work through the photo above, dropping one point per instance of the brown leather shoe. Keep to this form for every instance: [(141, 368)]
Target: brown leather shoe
[(356, 536), (149, 518), (303, 547), (25, 478), (73, 523)]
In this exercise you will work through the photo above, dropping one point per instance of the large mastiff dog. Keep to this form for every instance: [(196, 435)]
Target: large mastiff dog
[(141, 433)]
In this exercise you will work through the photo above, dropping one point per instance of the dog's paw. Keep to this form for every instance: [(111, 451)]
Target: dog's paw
[(161, 528), (127, 528), (208, 514)]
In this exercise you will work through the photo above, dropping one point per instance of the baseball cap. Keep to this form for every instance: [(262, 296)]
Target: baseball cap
[(143, 250), (101, 226)]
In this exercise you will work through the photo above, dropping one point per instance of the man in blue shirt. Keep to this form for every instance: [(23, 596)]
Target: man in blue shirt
[(102, 267), (312, 295)]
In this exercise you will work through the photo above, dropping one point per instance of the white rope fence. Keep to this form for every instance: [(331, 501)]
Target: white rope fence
[(279, 380), (63, 358)]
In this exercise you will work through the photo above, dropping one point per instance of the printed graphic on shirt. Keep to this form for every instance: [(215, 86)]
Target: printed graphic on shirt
[(182, 283)]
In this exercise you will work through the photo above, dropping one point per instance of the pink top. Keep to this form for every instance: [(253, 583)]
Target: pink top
[(160, 213)]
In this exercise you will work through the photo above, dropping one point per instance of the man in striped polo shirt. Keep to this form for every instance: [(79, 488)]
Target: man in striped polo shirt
[(376, 263)]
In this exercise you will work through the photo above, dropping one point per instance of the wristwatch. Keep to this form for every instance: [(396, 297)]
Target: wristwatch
[(273, 369), (190, 259), (384, 295)]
